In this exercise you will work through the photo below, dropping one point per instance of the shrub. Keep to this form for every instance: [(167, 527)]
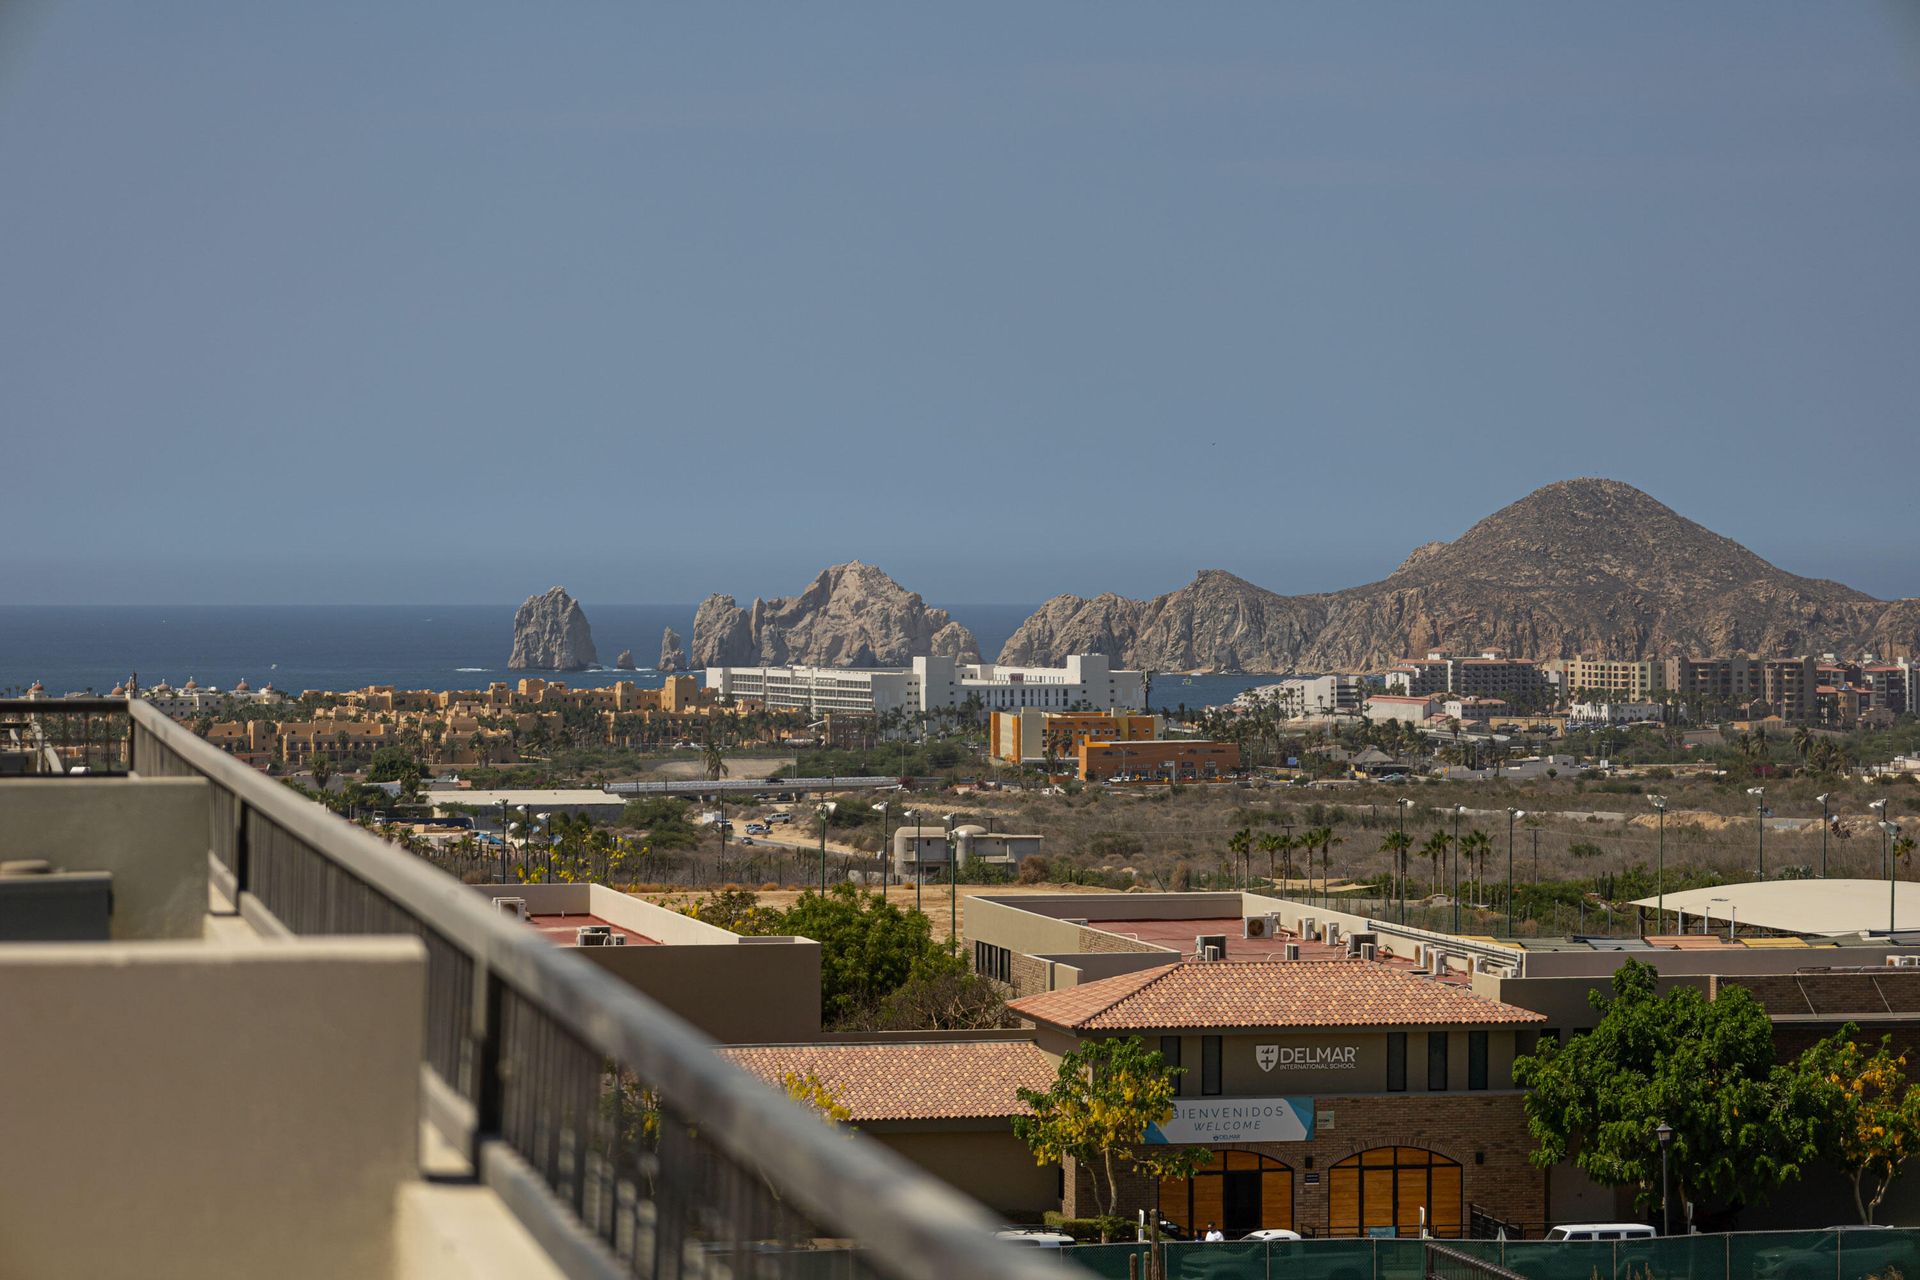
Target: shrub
[(1090, 1230)]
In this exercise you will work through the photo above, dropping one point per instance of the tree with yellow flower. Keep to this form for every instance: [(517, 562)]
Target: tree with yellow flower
[(1106, 1094), (1873, 1111)]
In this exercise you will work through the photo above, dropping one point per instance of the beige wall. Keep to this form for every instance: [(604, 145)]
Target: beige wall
[(177, 1110), (153, 834), (990, 1164), (738, 995)]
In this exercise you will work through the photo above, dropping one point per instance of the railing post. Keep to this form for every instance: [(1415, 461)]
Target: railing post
[(242, 853), (489, 1084)]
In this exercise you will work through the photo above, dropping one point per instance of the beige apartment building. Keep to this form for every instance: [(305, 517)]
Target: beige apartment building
[(1621, 679)]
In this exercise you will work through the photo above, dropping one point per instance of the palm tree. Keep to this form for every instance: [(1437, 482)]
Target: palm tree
[(1435, 848), (1476, 845), (1271, 842), (1239, 842), (321, 768), (1395, 845), (716, 754), (1803, 741)]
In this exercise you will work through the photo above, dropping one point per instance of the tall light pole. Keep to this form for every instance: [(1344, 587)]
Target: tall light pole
[(1457, 811), (1513, 815), (1826, 822), (886, 843), (1665, 1135), (915, 815), (1879, 808), (1760, 825), (1659, 804), (1403, 804), (827, 808), (503, 842), (953, 891), (546, 821), (1886, 861)]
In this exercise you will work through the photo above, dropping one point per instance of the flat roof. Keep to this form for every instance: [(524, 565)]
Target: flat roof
[(558, 927), (1817, 907), (536, 798)]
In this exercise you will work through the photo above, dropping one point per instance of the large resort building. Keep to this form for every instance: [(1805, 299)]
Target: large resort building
[(1086, 682)]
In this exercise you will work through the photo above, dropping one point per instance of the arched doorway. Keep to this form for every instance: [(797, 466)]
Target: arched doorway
[(1388, 1186), (1239, 1190)]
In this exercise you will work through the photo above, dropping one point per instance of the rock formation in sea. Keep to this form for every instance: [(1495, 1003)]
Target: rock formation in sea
[(851, 615), (550, 633), (1580, 567), (625, 661), (673, 653)]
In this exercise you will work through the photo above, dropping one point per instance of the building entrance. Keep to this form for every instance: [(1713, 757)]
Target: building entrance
[(1238, 1191)]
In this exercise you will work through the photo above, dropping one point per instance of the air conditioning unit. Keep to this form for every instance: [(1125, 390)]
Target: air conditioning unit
[(593, 935), (1333, 933), (515, 907), (1206, 942), (1369, 951), (1253, 927), (1212, 953), (1293, 951), (1904, 962), (1306, 928)]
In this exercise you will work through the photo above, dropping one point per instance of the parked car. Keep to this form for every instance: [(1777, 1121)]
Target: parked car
[(1602, 1231), (756, 828), (1035, 1237), (780, 816), (1273, 1233)]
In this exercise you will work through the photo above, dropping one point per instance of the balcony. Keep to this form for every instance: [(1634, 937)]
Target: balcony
[(291, 1049)]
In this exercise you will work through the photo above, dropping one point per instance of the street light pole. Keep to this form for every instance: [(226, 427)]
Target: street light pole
[(1886, 861), (1760, 825), (1660, 884), (953, 892), (1513, 815), (1826, 822), (1404, 805), (1665, 1135), (503, 842)]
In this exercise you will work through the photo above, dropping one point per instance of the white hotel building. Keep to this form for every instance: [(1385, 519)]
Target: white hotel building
[(933, 683)]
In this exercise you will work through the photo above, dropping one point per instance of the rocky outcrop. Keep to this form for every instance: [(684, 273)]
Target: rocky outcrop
[(673, 654), (852, 615), (1590, 566), (625, 661), (550, 633)]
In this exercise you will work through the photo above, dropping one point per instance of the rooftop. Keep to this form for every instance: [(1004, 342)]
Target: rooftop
[(939, 1080), (1816, 907), (1260, 994), (562, 928)]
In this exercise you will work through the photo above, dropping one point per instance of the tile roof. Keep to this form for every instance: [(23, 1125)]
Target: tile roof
[(935, 1080), (1264, 993)]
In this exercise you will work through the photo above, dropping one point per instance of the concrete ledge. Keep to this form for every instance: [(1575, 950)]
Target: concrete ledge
[(152, 834)]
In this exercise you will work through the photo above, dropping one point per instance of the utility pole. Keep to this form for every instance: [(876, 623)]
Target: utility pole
[(1660, 884), (1512, 816), (1760, 825), (1457, 811), (1825, 823)]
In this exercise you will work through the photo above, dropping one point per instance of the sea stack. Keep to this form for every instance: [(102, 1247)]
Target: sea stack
[(550, 633), (852, 615), (673, 654), (625, 661)]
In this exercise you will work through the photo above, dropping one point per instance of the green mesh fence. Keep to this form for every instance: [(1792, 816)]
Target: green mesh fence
[(1847, 1254)]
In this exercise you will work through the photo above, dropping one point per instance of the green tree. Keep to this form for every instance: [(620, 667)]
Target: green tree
[(868, 946), (1435, 848), (395, 764), (1871, 1111), (1743, 1124), (321, 768), (1239, 843), (1395, 845), (1097, 1111)]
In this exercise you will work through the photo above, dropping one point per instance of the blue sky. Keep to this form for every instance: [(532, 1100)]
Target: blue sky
[(449, 302)]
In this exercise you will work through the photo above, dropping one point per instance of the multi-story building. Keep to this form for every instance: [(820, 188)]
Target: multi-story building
[(1486, 675), (1789, 685), (1032, 736), (1483, 710), (1183, 760), (1302, 696), (1086, 682), (1627, 679)]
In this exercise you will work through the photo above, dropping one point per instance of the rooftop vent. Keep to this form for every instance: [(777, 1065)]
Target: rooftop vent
[(515, 907), (593, 935)]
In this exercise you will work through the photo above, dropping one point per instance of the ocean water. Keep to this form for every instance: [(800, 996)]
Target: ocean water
[(74, 649)]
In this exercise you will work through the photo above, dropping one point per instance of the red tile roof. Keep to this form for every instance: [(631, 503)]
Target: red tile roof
[(935, 1080), (1203, 994)]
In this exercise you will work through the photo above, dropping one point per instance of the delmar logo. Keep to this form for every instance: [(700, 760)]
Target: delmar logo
[(1322, 1057)]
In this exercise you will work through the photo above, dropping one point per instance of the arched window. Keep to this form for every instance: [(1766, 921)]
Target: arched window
[(1388, 1186), (1237, 1190)]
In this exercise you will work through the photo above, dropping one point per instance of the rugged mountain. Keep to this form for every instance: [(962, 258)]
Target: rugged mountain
[(852, 615), (673, 654), (550, 633), (625, 661), (1588, 566)]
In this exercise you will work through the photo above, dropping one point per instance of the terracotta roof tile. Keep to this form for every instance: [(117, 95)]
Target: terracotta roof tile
[(1266, 993), (937, 1080)]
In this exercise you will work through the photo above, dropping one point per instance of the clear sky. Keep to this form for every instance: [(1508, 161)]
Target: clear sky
[(452, 301)]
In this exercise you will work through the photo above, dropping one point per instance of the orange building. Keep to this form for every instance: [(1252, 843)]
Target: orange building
[(1023, 737), (1182, 759)]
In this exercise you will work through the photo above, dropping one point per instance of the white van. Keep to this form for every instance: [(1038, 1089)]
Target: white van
[(1602, 1231)]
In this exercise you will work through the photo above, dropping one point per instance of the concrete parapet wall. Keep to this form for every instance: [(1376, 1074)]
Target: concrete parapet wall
[(152, 834), (190, 1111)]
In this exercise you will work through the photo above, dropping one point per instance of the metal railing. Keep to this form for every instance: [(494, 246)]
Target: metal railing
[(54, 736), (1443, 1263), (626, 1145)]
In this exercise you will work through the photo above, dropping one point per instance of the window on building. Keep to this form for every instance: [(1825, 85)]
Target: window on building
[(1237, 1191), (1436, 1060), (1170, 1053), (1396, 1062), (1388, 1187), (1476, 1059), (1209, 1065)]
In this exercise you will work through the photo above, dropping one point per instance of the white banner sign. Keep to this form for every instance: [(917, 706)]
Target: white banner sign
[(1199, 1121)]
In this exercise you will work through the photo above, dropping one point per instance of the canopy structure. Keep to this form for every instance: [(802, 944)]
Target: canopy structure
[(1816, 908)]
